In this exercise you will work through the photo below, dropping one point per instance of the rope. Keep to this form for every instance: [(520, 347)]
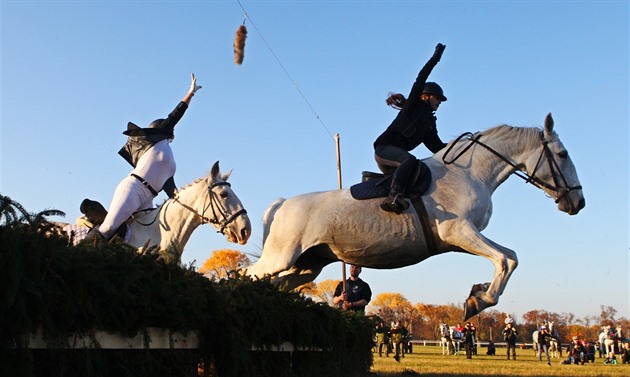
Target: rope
[(284, 69)]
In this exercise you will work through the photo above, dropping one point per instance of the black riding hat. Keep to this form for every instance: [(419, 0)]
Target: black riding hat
[(433, 88)]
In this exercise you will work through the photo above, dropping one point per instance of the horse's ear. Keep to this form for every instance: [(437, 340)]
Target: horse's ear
[(226, 176), (548, 124), (214, 172)]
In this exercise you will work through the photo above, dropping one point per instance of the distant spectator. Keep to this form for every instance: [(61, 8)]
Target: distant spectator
[(398, 332), (492, 350), (625, 354), (543, 344), (459, 327), (576, 352), (382, 338), (509, 336), (508, 319), (469, 339)]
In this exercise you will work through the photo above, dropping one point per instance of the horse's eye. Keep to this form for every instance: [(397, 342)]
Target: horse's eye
[(224, 195), (563, 154)]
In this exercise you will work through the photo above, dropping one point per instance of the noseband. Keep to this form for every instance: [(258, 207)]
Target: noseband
[(220, 216), (218, 210), (560, 187)]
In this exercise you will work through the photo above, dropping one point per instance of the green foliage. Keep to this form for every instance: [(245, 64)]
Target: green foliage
[(49, 284)]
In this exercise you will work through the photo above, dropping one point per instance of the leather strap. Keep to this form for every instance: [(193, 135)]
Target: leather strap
[(428, 228), (145, 184)]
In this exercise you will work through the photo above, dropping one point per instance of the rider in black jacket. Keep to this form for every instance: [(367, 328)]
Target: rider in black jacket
[(415, 124)]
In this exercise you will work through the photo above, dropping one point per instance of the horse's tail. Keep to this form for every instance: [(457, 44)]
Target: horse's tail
[(269, 215)]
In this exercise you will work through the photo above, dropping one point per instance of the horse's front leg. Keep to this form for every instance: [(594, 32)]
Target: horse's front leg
[(504, 260)]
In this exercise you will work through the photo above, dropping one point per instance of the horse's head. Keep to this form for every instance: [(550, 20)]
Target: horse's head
[(554, 172), (223, 209)]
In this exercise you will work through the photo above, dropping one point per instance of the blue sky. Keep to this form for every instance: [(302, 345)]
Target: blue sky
[(75, 72)]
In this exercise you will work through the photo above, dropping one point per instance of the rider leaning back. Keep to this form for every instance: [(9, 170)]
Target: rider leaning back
[(148, 151), (415, 124)]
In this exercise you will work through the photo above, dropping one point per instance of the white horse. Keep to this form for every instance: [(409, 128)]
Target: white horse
[(447, 341), (168, 227), (555, 346), (305, 233), (456, 339), (609, 340)]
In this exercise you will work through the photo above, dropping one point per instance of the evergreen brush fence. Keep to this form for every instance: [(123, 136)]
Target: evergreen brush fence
[(61, 292)]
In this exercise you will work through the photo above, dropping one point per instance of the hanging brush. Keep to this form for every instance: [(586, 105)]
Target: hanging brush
[(239, 44)]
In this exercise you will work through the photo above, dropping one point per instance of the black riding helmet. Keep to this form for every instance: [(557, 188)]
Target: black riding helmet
[(435, 89)]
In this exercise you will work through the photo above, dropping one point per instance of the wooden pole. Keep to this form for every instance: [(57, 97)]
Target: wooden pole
[(340, 186)]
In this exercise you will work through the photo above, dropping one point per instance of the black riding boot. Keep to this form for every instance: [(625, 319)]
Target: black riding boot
[(395, 201)]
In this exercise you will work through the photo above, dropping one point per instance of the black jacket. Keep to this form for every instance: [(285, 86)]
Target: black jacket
[(356, 290), (415, 123)]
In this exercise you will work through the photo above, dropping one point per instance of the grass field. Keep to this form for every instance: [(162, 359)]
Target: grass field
[(429, 361)]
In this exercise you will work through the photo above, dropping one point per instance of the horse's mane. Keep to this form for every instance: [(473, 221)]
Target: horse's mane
[(518, 134)]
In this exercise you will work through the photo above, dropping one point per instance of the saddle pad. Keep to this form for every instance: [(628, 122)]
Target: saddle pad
[(78, 233), (375, 185), (373, 188)]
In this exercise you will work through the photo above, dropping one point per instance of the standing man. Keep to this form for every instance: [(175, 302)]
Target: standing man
[(469, 339), (543, 344), (382, 338), (398, 332), (509, 336), (358, 293)]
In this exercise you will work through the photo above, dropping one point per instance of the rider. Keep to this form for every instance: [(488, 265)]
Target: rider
[(149, 152), (415, 124)]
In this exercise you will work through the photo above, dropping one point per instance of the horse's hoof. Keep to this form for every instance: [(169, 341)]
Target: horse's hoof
[(470, 308)]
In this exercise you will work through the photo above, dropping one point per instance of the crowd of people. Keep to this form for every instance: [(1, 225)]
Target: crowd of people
[(578, 351), (395, 338)]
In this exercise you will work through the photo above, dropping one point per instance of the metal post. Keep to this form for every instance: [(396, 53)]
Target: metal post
[(340, 186)]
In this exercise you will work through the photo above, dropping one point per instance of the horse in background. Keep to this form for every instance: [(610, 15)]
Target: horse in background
[(456, 339), (451, 339), (609, 340), (555, 347), (446, 341)]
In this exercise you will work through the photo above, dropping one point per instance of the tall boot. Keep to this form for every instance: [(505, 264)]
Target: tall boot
[(395, 202)]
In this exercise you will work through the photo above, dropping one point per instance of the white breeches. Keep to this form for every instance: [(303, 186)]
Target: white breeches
[(129, 197)]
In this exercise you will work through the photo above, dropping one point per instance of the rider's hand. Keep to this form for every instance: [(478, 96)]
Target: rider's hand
[(439, 49), (193, 85)]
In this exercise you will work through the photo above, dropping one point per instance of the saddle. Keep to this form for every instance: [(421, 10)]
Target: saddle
[(377, 185)]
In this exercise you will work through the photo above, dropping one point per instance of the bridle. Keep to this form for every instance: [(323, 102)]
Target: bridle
[(560, 185), (220, 216)]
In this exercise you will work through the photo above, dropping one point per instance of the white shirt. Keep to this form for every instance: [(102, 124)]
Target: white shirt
[(156, 165)]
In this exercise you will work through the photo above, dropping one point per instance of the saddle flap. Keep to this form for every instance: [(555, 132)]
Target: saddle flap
[(377, 185)]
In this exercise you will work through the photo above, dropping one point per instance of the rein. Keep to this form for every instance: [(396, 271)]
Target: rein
[(560, 186), (213, 204)]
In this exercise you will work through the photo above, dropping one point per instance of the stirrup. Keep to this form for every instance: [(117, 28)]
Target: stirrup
[(396, 204)]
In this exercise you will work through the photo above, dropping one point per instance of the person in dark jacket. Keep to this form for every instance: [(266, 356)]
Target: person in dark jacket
[(415, 124), (469, 339), (544, 337), (358, 293), (509, 336), (148, 151)]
